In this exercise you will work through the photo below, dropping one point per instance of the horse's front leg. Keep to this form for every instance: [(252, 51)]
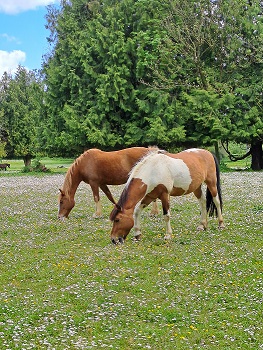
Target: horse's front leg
[(106, 190), (96, 196), (137, 220), (165, 199), (137, 215)]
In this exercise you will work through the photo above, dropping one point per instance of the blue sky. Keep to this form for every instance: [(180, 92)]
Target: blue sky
[(22, 33)]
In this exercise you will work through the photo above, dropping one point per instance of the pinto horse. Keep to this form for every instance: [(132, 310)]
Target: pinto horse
[(161, 175), (98, 169)]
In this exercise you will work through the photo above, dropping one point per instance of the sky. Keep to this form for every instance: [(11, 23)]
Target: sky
[(22, 34)]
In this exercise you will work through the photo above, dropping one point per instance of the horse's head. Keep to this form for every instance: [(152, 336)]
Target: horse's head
[(122, 224), (65, 204)]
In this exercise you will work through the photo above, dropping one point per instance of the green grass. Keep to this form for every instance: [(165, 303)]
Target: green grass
[(63, 285), (55, 165), (243, 164)]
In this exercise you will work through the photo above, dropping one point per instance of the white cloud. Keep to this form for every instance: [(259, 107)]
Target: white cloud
[(10, 38), (9, 61), (16, 6)]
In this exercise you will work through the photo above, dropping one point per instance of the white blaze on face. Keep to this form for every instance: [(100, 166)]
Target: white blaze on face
[(161, 169)]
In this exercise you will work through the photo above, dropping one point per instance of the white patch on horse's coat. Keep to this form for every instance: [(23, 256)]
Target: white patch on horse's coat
[(159, 169), (193, 150)]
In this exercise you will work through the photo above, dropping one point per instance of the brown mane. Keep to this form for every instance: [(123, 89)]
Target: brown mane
[(122, 200), (71, 171)]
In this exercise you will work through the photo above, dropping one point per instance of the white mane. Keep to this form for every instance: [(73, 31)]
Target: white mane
[(136, 168), (157, 168)]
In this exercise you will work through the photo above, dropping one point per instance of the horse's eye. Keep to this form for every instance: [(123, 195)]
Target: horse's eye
[(116, 220)]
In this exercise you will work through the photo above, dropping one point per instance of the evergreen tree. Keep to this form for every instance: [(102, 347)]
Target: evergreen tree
[(213, 53), (21, 98), (96, 94)]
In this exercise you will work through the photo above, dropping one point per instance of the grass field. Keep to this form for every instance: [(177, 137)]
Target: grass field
[(55, 165), (65, 286)]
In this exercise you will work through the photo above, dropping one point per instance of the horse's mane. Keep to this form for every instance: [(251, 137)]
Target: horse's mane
[(68, 180), (136, 168), (125, 193), (118, 207), (71, 171)]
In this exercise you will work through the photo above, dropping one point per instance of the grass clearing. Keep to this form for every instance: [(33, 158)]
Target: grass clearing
[(65, 286), (56, 165)]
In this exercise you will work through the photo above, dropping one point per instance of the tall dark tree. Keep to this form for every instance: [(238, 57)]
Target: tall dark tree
[(96, 95), (21, 100)]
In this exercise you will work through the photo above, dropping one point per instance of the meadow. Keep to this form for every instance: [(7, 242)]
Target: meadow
[(63, 285)]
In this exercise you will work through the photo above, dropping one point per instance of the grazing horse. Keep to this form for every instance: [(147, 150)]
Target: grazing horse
[(4, 166), (98, 169), (161, 175)]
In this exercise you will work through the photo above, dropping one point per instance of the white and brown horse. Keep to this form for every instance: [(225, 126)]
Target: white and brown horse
[(161, 175), (98, 169)]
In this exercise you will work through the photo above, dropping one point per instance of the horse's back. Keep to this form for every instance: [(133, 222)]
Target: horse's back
[(111, 168), (197, 160), (180, 173)]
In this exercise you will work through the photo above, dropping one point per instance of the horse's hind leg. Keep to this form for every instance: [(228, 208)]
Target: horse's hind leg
[(216, 200), (202, 203), (219, 211), (154, 210)]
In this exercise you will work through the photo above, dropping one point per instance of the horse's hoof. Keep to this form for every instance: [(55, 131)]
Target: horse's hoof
[(221, 226), (97, 216), (201, 228), (137, 238), (167, 237)]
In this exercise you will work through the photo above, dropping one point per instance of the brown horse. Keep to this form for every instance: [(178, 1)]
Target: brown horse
[(98, 169), (159, 175), (4, 166)]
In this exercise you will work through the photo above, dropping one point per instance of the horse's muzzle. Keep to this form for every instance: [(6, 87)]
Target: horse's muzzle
[(61, 218), (119, 240)]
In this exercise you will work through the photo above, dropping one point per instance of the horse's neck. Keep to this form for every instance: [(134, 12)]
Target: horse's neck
[(135, 195)]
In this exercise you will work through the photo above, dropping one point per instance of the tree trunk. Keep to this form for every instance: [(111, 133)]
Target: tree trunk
[(217, 153), (257, 155), (27, 160)]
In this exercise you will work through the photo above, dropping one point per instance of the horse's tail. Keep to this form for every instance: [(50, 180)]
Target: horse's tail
[(210, 205)]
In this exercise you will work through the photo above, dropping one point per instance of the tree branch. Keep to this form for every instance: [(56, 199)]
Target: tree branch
[(232, 157)]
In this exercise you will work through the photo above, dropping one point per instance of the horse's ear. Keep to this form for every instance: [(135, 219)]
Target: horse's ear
[(115, 211), (62, 192)]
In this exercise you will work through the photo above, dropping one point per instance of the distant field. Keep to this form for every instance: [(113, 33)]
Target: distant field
[(65, 286), (56, 165)]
